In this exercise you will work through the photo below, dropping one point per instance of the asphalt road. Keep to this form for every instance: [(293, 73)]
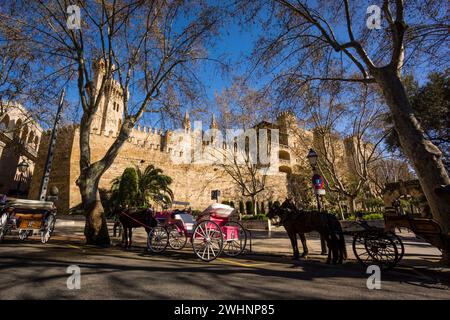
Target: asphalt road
[(31, 270)]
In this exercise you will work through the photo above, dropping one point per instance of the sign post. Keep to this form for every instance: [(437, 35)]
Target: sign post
[(318, 184)]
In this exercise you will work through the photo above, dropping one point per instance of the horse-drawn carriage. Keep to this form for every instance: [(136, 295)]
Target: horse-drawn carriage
[(27, 217), (211, 233), (381, 246)]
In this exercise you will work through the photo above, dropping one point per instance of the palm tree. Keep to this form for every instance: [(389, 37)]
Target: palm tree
[(152, 185)]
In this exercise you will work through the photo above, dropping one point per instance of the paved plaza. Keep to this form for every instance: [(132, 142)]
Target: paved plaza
[(31, 270)]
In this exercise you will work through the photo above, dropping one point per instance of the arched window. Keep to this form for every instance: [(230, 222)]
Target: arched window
[(36, 142), (24, 135), (4, 124), (18, 128), (31, 137)]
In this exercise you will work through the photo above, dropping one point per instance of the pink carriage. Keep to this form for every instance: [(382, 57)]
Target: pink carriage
[(211, 233)]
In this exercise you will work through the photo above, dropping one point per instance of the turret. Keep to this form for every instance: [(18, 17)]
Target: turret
[(186, 124), (213, 124)]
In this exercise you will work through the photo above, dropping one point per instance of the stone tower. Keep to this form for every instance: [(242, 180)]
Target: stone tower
[(109, 116), (186, 124)]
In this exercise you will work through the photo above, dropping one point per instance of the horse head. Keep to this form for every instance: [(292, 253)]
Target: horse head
[(276, 212)]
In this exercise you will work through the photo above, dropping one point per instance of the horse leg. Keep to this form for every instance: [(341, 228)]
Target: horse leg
[(328, 243), (335, 246), (323, 245), (293, 238), (304, 245), (131, 237), (120, 229), (125, 237)]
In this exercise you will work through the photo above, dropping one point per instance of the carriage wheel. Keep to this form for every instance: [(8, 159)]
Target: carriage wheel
[(375, 248), (49, 226), (399, 244), (236, 244), (4, 218), (177, 239), (207, 240), (158, 239)]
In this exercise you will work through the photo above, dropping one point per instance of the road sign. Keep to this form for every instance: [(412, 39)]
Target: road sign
[(318, 181), (320, 192)]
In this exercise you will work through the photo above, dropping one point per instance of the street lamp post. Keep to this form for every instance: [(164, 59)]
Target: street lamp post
[(22, 167), (312, 158)]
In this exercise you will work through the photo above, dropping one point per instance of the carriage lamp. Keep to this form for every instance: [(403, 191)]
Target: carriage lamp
[(312, 157)]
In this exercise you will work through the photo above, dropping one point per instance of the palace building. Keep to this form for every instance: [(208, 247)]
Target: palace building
[(192, 182)]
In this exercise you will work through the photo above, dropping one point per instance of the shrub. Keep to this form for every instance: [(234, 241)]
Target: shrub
[(195, 212), (249, 208), (128, 187), (368, 216), (270, 204), (241, 207), (277, 203), (232, 204), (263, 208)]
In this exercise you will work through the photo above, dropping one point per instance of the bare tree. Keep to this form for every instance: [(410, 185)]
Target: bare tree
[(347, 134), (329, 41), (147, 48), (240, 163), (389, 170), (242, 108)]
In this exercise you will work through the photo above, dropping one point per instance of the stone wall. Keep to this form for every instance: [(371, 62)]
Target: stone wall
[(191, 183), (60, 175)]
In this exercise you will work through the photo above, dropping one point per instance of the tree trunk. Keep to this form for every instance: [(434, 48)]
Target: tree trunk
[(96, 229), (351, 205), (341, 211), (254, 205), (423, 154)]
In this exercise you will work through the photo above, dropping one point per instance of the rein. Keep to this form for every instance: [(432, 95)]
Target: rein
[(139, 222)]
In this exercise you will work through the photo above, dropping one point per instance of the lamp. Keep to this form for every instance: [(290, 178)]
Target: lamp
[(312, 158)]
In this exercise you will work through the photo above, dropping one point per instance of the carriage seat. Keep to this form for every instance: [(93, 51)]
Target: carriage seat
[(187, 220), (36, 205)]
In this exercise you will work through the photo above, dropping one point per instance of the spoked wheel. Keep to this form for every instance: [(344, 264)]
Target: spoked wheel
[(4, 218), (177, 239), (235, 238), (49, 226), (207, 240), (399, 244), (375, 248), (158, 239)]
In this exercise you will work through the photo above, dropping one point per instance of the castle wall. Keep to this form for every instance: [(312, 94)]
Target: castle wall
[(191, 183), (62, 167)]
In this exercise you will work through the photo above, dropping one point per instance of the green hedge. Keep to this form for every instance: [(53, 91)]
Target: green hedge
[(368, 216)]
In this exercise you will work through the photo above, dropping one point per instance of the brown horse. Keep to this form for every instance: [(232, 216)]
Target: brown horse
[(132, 218), (300, 222)]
